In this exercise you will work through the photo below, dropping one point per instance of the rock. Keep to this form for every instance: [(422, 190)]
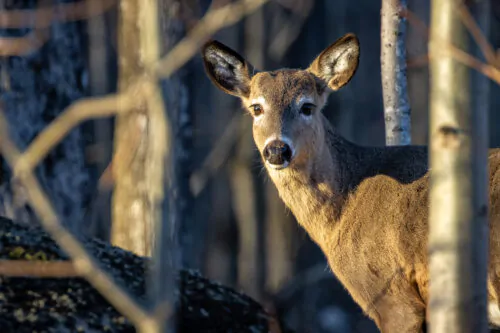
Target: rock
[(73, 305)]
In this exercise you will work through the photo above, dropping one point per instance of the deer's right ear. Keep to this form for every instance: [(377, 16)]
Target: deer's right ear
[(227, 69)]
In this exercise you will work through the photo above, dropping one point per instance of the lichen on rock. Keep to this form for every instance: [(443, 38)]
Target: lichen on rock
[(73, 305)]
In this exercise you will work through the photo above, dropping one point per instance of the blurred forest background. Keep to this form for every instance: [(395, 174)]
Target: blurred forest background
[(234, 228)]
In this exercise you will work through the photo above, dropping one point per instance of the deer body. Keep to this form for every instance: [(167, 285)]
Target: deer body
[(365, 207)]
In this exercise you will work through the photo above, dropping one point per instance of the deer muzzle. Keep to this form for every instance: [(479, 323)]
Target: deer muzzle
[(277, 154)]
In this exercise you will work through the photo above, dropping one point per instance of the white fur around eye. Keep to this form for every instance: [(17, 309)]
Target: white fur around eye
[(262, 101), (303, 100)]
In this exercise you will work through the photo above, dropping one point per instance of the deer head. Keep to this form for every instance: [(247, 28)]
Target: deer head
[(285, 104)]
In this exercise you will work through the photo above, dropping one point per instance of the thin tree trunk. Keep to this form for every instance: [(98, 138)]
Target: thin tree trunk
[(393, 60), (480, 97), (250, 263), (132, 220), (180, 114), (102, 80), (457, 297), (143, 149), (418, 75)]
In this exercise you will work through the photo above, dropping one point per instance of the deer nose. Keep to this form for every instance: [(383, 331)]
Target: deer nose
[(277, 153)]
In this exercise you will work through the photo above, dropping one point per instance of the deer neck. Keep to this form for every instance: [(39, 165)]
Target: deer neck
[(316, 193)]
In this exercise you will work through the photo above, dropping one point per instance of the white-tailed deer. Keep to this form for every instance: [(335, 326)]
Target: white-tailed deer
[(366, 207)]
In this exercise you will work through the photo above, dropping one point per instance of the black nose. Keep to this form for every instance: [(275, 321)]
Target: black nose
[(277, 152)]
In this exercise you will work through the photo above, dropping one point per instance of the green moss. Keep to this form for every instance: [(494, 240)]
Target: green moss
[(17, 253), (21, 253)]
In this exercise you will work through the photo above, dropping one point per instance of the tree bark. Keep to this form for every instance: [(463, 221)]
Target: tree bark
[(480, 98), (244, 184), (394, 85), (132, 222), (29, 106), (457, 295), (418, 75)]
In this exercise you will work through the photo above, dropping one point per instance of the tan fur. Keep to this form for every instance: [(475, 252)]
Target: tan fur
[(366, 207)]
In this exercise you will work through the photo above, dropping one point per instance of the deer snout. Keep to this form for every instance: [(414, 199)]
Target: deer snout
[(277, 154)]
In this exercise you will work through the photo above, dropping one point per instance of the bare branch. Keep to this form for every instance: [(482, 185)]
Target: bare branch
[(489, 70), (39, 269), (23, 164), (76, 113), (19, 46), (217, 156), (43, 17), (83, 263), (291, 29), (479, 38), (213, 21)]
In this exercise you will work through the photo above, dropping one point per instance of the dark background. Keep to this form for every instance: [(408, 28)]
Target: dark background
[(235, 229)]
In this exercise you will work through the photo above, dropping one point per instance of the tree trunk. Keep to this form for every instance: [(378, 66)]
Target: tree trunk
[(35, 89), (177, 95), (132, 221), (244, 184), (418, 74), (479, 87), (394, 85), (102, 80), (457, 296)]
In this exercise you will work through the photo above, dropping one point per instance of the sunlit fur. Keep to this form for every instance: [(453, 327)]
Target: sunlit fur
[(366, 207)]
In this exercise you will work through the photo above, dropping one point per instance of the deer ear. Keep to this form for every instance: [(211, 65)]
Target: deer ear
[(228, 70), (337, 64)]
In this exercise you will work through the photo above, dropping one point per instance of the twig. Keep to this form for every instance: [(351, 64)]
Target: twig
[(76, 113), (291, 29), (43, 17), (38, 269), (107, 106), (213, 21), (183, 51), (489, 70), (479, 38), (19, 46), (24, 164), (217, 156), (84, 264), (418, 61)]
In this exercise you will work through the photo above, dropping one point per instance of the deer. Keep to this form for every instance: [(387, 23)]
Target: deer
[(365, 207)]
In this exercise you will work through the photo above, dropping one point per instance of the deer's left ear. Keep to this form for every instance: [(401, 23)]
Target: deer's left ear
[(337, 64)]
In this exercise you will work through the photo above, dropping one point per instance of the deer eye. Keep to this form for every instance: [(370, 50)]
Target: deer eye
[(307, 109), (257, 109)]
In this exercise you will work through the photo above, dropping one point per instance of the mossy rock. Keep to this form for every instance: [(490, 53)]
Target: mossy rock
[(73, 305)]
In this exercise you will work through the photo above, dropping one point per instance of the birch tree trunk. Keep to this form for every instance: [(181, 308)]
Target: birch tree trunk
[(394, 85), (457, 296)]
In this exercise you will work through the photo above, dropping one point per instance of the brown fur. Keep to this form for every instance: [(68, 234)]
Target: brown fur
[(366, 207)]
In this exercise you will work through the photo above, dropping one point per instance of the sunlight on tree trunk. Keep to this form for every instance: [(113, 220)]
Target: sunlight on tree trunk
[(394, 85), (132, 221), (457, 299)]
